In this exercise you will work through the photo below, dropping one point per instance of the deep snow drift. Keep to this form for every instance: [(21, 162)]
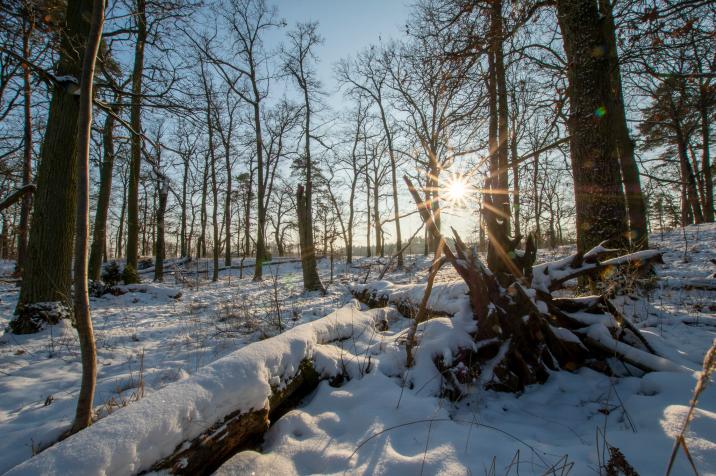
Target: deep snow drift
[(384, 420)]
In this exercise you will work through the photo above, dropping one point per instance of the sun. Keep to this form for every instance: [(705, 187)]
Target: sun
[(456, 190)]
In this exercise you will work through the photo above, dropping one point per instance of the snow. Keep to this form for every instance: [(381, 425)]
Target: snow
[(202, 348), (132, 440)]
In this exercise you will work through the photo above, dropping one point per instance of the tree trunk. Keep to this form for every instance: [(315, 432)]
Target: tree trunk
[(201, 243), (261, 192), (26, 206), (706, 153), (83, 415), (120, 230), (311, 280), (136, 140), (160, 253), (636, 207), (599, 197), (227, 207), (376, 215), (367, 209), (47, 267), (184, 185), (687, 176), (105, 191), (215, 214), (537, 202), (394, 184)]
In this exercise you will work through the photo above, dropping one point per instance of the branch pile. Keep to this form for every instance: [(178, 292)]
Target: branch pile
[(523, 332)]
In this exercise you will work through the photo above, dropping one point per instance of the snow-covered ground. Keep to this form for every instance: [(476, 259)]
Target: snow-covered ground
[(374, 423)]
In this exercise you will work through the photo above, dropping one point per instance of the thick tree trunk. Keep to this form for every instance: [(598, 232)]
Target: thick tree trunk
[(136, 140), (105, 191), (311, 281), (599, 197), (83, 415), (635, 204), (47, 267)]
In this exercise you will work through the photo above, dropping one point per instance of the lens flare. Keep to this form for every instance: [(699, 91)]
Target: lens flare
[(456, 190)]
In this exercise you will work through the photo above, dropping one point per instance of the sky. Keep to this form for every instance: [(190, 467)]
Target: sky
[(347, 27)]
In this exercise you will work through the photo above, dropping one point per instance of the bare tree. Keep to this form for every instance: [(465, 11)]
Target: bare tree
[(298, 56)]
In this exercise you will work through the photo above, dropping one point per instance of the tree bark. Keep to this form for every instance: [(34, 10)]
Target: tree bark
[(706, 153), (26, 206), (160, 252), (136, 140), (83, 414), (599, 197), (635, 204), (311, 280), (261, 191), (105, 190), (47, 267)]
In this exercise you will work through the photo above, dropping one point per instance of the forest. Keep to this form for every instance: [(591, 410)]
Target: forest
[(359, 237)]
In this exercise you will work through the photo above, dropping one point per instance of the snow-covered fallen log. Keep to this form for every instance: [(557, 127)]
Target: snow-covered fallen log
[(192, 426)]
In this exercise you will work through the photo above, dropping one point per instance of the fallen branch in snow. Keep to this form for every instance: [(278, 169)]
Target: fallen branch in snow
[(239, 430), (192, 426)]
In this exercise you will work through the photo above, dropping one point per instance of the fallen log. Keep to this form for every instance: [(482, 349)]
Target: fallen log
[(239, 430), (194, 425)]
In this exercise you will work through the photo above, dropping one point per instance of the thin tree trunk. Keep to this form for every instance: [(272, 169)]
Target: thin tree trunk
[(227, 206), (367, 207), (201, 244), (215, 211), (261, 192), (83, 414), (706, 154), (105, 190), (394, 183), (160, 253), (184, 184), (26, 205), (120, 231)]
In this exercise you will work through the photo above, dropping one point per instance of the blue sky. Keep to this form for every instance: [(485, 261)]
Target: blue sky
[(347, 26)]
